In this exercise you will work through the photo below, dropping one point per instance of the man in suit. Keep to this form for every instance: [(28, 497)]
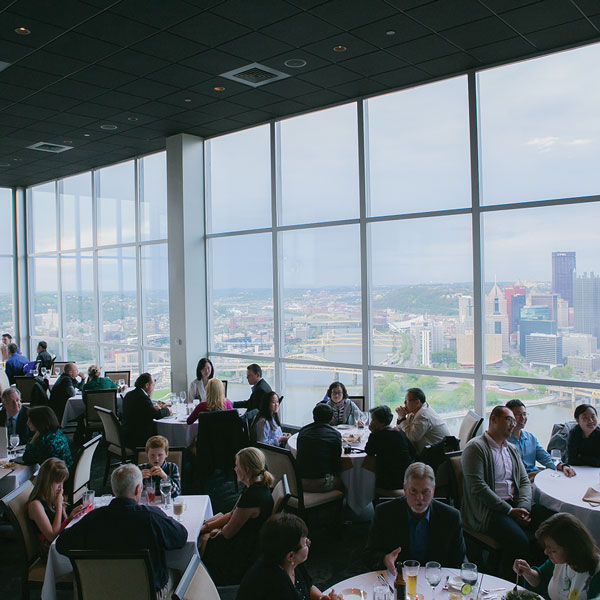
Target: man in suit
[(14, 416), (260, 388), (416, 527), (66, 387), (139, 412), (43, 358), (15, 365)]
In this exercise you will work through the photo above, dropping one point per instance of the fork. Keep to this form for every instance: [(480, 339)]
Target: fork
[(383, 580)]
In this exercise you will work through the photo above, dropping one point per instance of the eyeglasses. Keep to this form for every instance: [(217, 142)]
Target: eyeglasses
[(510, 419)]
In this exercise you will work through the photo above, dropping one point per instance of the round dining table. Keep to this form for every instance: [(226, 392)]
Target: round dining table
[(565, 494), (358, 481), (492, 588), (176, 430)]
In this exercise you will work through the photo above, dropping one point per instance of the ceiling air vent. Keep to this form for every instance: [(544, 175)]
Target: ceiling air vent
[(47, 147), (254, 75)]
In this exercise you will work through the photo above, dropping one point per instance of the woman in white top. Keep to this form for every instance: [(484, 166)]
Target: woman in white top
[(571, 571), (267, 427), (204, 371)]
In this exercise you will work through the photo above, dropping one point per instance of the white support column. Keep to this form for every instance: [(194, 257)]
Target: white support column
[(20, 281), (187, 265)]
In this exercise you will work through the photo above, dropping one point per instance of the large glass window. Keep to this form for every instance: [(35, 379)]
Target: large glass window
[(44, 299), (75, 194), (77, 285), (42, 218), (6, 262), (153, 197), (155, 294)]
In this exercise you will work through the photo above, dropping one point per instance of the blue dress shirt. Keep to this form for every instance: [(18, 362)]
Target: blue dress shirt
[(418, 530), (531, 451)]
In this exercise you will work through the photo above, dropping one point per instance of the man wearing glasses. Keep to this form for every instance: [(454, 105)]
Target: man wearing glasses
[(497, 490)]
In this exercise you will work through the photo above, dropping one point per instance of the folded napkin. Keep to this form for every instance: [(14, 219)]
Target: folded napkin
[(592, 497)]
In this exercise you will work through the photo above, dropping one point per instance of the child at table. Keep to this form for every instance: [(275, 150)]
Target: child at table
[(157, 468)]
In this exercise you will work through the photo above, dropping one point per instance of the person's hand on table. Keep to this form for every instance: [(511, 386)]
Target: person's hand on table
[(567, 470), (158, 471), (401, 412), (520, 515), (284, 438), (389, 560), (332, 596)]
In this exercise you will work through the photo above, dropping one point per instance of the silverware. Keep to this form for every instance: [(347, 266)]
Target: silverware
[(383, 580)]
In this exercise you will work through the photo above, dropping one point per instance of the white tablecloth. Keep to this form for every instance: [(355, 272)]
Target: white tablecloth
[(563, 494), (11, 481), (359, 482), (367, 581), (177, 431), (198, 508)]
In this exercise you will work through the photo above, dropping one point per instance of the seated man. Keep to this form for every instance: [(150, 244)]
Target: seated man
[(6, 340), (15, 365), (43, 358), (496, 489), (419, 421), (66, 386), (416, 527), (13, 416), (528, 446), (139, 412), (392, 450), (319, 458), (260, 388), (124, 525)]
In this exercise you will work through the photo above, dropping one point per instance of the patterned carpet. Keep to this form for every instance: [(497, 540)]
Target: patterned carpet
[(334, 554)]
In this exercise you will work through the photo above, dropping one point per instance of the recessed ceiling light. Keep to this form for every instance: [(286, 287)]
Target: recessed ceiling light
[(16, 159), (219, 88), (188, 100), (295, 63), (390, 32), (132, 118), (22, 31), (67, 141), (340, 48), (86, 135), (108, 127), (2, 165)]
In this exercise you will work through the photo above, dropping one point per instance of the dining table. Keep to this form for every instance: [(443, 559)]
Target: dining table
[(565, 494), (359, 482), (176, 430), (75, 408), (196, 510), (13, 475)]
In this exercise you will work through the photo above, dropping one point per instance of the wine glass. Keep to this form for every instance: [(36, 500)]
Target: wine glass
[(121, 384), (183, 397), (555, 456), (468, 573), (36, 371), (165, 492), (433, 574), (13, 442), (44, 371), (57, 371)]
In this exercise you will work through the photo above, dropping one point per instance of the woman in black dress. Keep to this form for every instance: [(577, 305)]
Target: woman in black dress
[(231, 538), (280, 573), (583, 446)]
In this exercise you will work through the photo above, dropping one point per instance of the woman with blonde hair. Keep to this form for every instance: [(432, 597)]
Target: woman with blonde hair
[(95, 381), (46, 505), (231, 539), (215, 400)]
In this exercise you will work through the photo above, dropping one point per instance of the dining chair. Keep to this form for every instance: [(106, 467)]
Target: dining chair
[(196, 584), (31, 566), (114, 376), (281, 494), (4, 383), (115, 442), (116, 575), (92, 398), (175, 456), (359, 401), (469, 427), (60, 365), (25, 385), (80, 472)]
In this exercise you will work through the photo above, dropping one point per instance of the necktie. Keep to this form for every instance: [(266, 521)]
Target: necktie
[(11, 426)]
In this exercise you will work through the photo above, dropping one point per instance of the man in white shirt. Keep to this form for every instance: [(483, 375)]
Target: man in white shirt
[(422, 425)]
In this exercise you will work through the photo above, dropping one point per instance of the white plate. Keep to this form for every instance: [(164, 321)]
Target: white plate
[(343, 427), (354, 594)]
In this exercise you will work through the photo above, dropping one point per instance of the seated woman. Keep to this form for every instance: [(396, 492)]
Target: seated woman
[(572, 570), (266, 426), (46, 506), (231, 538), (95, 381), (583, 445), (205, 371), (215, 400), (280, 573), (345, 412), (48, 440)]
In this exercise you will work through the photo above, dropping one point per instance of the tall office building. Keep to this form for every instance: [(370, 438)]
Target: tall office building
[(544, 349), (563, 267), (549, 300), (517, 302), (530, 326), (586, 303), (510, 291), (496, 317)]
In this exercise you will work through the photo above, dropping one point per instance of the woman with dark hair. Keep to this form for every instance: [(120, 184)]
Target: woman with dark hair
[(572, 569), (583, 445), (204, 372), (267, 426), (48, 440), (345, 412), (280, 573)]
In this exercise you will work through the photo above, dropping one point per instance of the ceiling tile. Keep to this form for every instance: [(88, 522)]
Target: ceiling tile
[(286, 107), (501, 51), (158, 109), (541, 15), (41, 33), (255, 47), (29, 78), (349, 14), (329, 76), (81, 46), (401, 77), (90, 109), (162, 14), (360, 87), (32, 112), (147, 89), (567, 33), (133, 62), (115, 29), (354, 47), (374, 63), (290, 88), (502, 6), (256, 98), (14, 92), (103, 77), (254, 117), (255, 14), (181, 99), (75, 89), (443, 14), (447, 65), (119, 100), (589, 7), (11, 52), (52, 101), (405, 29), (179, 76), (301, 29), (312, 62), (52, 63), (209, 29), (423, 49), (168, 46), (222, 109), (214, 62), (72, 120), (62, 13), (478, 33)]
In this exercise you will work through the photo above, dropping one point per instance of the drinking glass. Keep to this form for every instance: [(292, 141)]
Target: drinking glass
[(13, 442), (57, 371), (36, 372), (182, 396), (165, 492), (88, 500), (555, 456), (44, 371), (121, 383), (468, 573), (433, 574), (178, 508), (381, 592), (411, 570), (150, 492)]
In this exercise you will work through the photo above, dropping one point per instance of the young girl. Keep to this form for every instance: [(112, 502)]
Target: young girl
[(46, 505), (157, 468)]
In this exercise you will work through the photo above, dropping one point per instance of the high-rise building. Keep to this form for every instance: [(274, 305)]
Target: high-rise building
[(517, 302), (562, 313), (563, 267), (510, 291), (586, 304), (496, 317), (465, 349), (579, 344), (549, 300), (544, 349), (530, 326)]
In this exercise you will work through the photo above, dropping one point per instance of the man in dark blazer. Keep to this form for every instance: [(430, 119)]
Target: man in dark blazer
[(44, 358), (14, 416), (416, 527), (139, 412), (260, 388), (66, 387)]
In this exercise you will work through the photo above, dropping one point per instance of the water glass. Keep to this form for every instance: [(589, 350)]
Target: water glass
[(555, 456), (382, 592), (468, 573), (57, 371), (182, 396), (88, 500), (43, 371), (121, 383), (165, 491), (433, 574), (13, 442)]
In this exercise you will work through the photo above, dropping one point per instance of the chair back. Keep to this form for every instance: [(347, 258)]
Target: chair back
[(81, 470), (175, 456), (25, 384), (224, 382), (469, 427), (456, 480), (107, 574), (112, 428), (14, 505), (60, 365), (281, 494), (4, 383), (281, 462), (359, 401), (104, 398), (114, 376), (196, 583)]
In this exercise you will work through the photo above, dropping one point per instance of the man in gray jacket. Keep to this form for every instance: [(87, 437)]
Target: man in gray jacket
[(497, 491)]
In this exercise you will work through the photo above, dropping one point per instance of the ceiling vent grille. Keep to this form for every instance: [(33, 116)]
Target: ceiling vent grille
[(254, 75), (47, 147)]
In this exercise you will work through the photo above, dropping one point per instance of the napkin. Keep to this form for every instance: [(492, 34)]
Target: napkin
[(592, 497)]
